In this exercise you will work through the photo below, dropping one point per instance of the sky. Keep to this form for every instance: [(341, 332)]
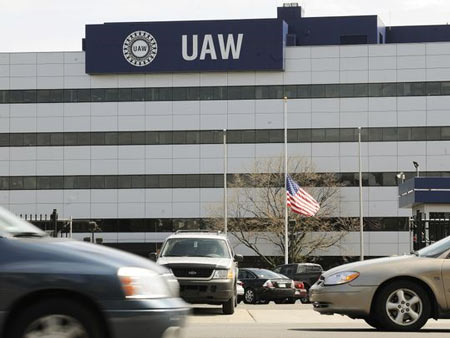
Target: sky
[(58, 25)]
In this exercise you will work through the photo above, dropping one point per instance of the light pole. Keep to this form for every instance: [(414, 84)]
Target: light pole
[(416, 165), (286, 217)]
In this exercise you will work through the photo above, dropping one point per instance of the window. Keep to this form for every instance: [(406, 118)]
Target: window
[(419, 134), (124, 138), (111, 138), (248, 136), (56, 139), (138, 138), (207, 181), (262, 136), (16, 140), (98, 95), (70, 139), (292, 135), (346, 90), (97, 139), (179, 137), (138, 181), (98, 182), (290, 92), (332, 90), (4, 183), (124, 94), (318, 135), (332, 135), (390, 134), (348, 135), (137, 94), (111, 95), (180, 94), (223, 93), (124, 182), (433, 88), (276, 136), (317, 91)]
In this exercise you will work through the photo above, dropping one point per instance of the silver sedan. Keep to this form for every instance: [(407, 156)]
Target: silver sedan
[(395, 293)]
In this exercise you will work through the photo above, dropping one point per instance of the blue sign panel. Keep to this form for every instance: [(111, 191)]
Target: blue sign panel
[(190, 46)]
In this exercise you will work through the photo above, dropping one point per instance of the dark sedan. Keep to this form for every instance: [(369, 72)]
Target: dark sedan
[(67, 289), (263, 286)]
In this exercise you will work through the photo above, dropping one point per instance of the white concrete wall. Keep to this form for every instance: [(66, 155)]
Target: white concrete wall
[(304, 65)]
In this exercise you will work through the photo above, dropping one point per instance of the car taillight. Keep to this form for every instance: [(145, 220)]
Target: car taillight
[(268, 284), (299, 285)]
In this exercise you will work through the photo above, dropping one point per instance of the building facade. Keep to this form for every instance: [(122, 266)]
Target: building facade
[(138, 147)]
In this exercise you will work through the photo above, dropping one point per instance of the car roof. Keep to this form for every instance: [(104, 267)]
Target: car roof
[(256, 269), (205, 235), (306, 264)]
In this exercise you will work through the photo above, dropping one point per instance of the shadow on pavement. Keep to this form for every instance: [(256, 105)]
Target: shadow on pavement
[(365, 330), (210, 311)]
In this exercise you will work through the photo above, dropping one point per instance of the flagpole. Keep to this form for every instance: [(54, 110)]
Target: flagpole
[(225, 193), (286, 229), (361, 220)]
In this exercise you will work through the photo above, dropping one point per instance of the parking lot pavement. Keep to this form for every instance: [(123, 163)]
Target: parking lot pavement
[(282, 321)]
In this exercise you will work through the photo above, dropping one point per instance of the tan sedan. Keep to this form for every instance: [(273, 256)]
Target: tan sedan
[(395, 293)]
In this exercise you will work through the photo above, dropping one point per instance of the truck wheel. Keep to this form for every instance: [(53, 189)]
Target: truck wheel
[(56, 318), (228, 307), (402, 306)]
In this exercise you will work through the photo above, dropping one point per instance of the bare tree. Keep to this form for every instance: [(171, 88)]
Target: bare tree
[(256, 208)]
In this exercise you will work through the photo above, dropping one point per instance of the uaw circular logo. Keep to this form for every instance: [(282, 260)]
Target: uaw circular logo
[(140, 48)]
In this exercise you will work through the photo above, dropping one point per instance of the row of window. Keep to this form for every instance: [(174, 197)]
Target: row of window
[(179, 181), (216, 136), (174, 224), (226, 92)]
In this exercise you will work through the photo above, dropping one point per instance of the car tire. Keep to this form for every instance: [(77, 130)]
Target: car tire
[(250, 296), (54, 317), (305, 300), (228, 307), (290, 300), (402, 306), (373, 322)]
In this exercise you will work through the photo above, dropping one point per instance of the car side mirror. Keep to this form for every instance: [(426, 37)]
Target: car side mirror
[(153, 256), (238, 258)]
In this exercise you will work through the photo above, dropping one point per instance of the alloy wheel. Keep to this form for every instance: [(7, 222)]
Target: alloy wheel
[(249, 296), (56, 326), (404, 307)]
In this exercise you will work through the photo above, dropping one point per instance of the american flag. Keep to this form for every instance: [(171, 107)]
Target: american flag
[(299, 200)]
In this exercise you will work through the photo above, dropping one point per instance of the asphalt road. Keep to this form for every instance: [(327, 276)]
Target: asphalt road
[(283, 321)]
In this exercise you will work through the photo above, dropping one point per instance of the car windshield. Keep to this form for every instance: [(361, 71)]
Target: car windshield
[(267, 274), (195, 247), (435, 249), (11, 225)]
